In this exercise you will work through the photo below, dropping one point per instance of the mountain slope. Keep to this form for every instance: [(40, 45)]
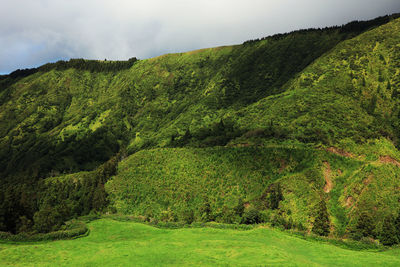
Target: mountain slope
[(54, 119), (280, 184), (344, 98), (287, 96), (352, 92)]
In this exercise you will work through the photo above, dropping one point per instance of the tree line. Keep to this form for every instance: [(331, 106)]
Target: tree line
[(75, 63), (355, 27)]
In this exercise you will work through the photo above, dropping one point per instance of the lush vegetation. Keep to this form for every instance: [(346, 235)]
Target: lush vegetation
[(289, 185), (45, 205), (113, 243), (66, 118), (71, 229), (299, 130)]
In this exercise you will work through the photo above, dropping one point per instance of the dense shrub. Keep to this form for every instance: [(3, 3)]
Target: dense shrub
[(47, 219), (72, 230), (389, 234), (364, 226), (251, 216)]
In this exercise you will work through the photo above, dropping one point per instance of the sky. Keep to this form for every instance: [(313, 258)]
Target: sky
[(34, 32)]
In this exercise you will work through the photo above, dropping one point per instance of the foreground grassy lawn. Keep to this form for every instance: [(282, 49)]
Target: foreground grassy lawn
[(114, 243)]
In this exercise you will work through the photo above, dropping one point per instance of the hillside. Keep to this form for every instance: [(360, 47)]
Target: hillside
[(350, 92), (284, 185), (299, 130), (72, 116)]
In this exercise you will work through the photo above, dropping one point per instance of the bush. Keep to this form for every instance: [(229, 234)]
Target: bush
[(364, 227), (277, 220), (388, 236), (251, 216), (72, 230), (205, 211), (265, 216), (167, 216), (47, 219)]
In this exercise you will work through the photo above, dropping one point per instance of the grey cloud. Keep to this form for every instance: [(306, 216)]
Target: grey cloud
[(33, 32)]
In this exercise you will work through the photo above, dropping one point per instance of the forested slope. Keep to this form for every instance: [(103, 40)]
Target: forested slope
[(259, 121)]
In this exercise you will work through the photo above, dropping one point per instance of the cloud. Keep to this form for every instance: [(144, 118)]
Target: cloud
[(33, 32)]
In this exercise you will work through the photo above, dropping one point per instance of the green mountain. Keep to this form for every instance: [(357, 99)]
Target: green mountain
[(300, 130)]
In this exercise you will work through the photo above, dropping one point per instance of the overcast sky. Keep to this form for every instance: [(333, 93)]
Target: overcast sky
[(33, 32)]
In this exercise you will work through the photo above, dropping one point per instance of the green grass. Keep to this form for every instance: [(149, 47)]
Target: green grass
[(113, 243)]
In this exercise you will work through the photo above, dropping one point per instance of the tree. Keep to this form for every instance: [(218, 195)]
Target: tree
[(365, 226), (363, 82), (99, 198), (239, 208), (397, 226), (275, 196), (47, 219), (187, 216), (380, 76), (372, 105), (251, 216), (388, 86), (321, 223), (205, 210), (388, 236)]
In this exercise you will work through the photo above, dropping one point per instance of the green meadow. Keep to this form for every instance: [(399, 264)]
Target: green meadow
[(116, 243)]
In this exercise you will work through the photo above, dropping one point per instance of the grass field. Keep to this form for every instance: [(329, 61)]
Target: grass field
[(114, 243)]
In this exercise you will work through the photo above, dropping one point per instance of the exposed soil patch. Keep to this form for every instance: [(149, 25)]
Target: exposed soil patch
[(349, 202), (68, 82), (242, 145), (389, 160), (339, 152), (328, 177), (367, 181), (283, 165)]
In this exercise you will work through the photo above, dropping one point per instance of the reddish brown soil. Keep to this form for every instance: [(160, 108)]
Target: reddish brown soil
[(328, 177), (339, 152), (389, 160), (349, 202), (283, 165)]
